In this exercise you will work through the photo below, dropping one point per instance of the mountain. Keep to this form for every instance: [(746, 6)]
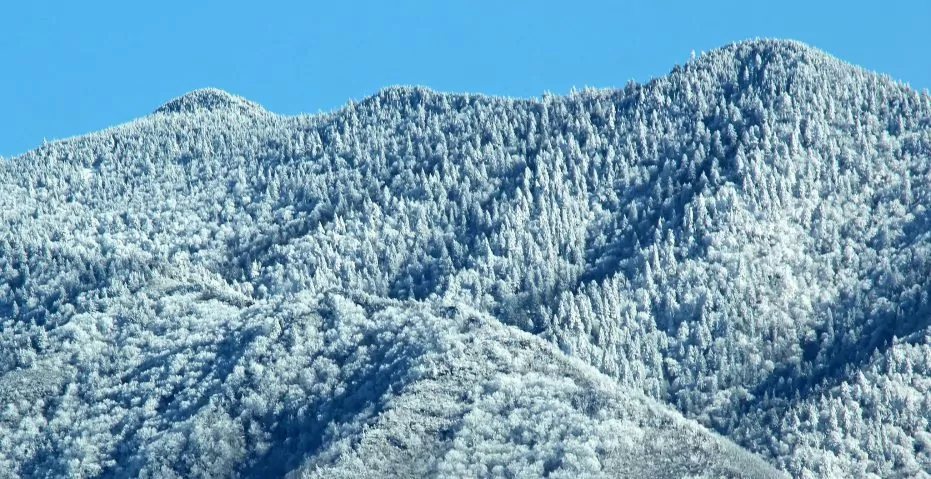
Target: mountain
[(719, 273)]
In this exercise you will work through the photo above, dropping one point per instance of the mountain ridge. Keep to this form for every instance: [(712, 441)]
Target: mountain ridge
[(216, 100)]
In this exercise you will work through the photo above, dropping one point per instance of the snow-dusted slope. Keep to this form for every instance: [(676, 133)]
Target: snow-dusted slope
[(459, 285), (332, 386)]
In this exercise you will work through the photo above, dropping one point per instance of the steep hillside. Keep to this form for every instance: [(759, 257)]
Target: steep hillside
[(465, 285)]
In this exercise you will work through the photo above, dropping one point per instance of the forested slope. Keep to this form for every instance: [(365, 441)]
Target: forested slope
[(463, 285)]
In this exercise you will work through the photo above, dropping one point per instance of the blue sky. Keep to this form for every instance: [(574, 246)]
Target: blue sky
[(68, 67)]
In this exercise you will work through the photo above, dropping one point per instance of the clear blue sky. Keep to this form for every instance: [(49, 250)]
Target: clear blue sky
[(72, 67)]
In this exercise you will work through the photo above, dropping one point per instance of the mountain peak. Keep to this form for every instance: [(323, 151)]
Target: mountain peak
[(769, 49), (775, 44), (208, 99), (770, 65)]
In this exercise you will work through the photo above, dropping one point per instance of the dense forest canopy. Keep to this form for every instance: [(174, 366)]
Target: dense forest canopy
[(732, 258)]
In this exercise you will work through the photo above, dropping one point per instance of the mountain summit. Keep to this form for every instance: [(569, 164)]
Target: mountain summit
[(208, 99), (719, 273)]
